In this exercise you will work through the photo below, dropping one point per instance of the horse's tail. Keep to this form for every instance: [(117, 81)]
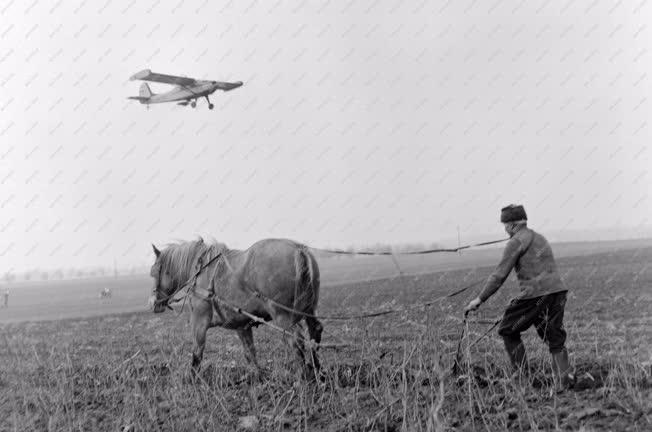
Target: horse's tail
[(305, 275)]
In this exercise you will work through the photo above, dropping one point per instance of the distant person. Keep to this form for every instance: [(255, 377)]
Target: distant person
[(542, 298), (5, 296)]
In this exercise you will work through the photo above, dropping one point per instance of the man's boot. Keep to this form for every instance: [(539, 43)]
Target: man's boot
[(565, 378), (516, 353)]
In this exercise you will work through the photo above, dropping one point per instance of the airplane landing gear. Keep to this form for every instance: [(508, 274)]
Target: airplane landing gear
[(193, 104), (210, 105)]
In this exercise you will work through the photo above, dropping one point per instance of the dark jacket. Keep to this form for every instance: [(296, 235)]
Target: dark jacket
[(529, 253)]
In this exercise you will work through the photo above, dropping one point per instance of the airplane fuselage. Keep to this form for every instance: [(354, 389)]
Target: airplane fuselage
[(181, 93)]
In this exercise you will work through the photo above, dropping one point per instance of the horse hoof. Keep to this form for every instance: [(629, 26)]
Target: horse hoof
[(313, 375)]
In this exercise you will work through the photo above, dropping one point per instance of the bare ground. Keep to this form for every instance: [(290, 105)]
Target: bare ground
[(129, 371)]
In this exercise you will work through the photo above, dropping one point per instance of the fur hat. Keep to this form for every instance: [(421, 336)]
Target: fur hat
[(512, 213)]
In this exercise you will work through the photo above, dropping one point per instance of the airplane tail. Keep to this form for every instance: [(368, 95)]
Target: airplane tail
[(145, 91)]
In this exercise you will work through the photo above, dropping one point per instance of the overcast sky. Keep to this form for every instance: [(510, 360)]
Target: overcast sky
[(359, 122)]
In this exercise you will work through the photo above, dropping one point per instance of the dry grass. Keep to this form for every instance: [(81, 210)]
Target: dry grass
[(129, 372)]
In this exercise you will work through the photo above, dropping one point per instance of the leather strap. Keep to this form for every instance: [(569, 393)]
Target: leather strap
[(202, 293)]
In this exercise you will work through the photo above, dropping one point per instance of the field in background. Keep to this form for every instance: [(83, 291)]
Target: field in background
[(80, 298), (129, 371)]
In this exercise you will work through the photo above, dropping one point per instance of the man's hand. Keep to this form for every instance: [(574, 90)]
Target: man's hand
[(473, 305)]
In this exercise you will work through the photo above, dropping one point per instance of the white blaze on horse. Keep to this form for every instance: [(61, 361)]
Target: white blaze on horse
[(272, 280)]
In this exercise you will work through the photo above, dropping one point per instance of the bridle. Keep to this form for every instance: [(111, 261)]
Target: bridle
[(156, 289), (192, 278)]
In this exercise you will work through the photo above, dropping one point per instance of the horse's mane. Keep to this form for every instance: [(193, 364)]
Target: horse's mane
[(179, 258)]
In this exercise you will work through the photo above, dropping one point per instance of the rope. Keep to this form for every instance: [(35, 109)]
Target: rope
[(341, 252), (421, 252), (261, 296), (310, 343)]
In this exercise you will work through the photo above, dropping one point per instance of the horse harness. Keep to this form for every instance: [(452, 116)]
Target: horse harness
[(204, 293), (193, 278)]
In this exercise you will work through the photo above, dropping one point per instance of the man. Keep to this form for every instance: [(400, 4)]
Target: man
[(542, 298), (6, 297)]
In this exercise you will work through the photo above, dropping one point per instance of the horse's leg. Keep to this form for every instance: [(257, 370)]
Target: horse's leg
[(246, 336), (293, 336), (201, 319), (314, 330)]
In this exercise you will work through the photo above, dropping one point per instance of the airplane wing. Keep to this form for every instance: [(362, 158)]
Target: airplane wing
[(148, 75)]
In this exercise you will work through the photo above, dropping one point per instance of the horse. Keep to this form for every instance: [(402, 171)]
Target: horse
[(273, 280)]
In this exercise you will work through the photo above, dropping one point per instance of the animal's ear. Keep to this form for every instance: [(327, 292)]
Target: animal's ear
[(156, 251)]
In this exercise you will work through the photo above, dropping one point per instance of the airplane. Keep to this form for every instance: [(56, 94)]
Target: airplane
[(187, 90)]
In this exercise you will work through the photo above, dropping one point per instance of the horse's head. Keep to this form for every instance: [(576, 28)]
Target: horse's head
[(163, 283), (172, 269)]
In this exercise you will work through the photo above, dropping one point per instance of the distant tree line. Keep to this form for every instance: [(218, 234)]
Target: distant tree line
[(72, 273)]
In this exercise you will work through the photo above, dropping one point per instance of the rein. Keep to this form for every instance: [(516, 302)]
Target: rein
[(419, 252), (263, 297)]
